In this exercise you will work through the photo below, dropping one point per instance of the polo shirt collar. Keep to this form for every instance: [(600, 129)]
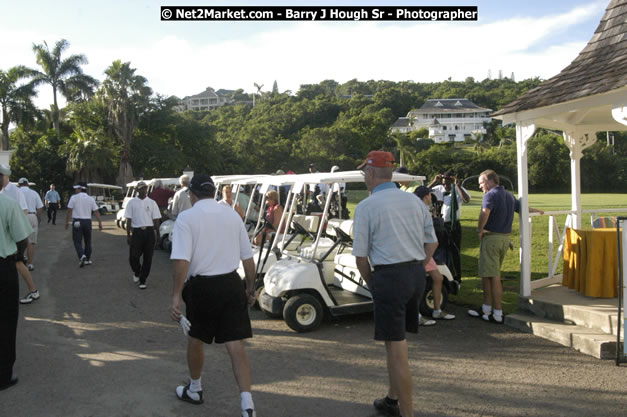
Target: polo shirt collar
[(384, 186)]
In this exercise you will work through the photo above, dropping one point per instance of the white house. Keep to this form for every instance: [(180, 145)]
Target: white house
[(448, 120), (207, 100)]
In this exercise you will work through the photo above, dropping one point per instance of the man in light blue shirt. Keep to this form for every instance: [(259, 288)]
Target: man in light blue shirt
[(394, 234), (53, 202)]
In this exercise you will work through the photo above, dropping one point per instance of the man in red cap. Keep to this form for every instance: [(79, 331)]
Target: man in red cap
[(393, 234)]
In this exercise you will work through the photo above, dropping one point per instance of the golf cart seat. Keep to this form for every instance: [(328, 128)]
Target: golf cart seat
[(306, 226)]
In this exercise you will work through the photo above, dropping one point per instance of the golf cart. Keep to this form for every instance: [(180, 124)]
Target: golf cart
[(323, 278), (131, 191), (106, 196)]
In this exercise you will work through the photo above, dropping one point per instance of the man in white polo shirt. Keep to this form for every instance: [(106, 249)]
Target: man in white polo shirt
[(209, 240), (142, 217), (34, 209), (11, 190), (79, 210)]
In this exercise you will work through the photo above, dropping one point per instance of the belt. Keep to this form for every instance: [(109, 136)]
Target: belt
[(10, 258), (228, 274), (388, 266), (32, 212), (143, 228)]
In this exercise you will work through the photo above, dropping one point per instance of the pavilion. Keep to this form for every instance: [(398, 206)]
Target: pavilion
[(586, 97)]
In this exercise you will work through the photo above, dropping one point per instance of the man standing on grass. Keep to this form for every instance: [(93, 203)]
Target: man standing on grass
[(494, 229), (394, 234)]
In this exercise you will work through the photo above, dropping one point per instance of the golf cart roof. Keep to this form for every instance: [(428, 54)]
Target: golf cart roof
[(237, 179), (351, 176), (107, 186), (166, 181)]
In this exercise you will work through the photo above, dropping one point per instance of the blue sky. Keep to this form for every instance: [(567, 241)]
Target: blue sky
[(531, 38)]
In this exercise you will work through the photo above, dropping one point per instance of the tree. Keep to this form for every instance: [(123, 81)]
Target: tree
[(65, 76), (15, 100), (90, 155), (127, 98), (275, 88)]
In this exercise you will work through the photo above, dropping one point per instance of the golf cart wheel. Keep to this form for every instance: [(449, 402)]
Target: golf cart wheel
[(303, 313), (117, 222), (123, 224), (427, 303)]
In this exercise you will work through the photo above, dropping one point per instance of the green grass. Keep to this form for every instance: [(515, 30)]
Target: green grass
[(471, 292)]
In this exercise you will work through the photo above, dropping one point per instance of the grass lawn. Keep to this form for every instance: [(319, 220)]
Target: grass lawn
[(471, 292)]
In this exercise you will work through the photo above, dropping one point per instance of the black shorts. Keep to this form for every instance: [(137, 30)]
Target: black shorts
[(396, 291), (217, 308)]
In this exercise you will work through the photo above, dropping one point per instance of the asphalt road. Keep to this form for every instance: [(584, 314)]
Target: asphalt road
[(96, 345)]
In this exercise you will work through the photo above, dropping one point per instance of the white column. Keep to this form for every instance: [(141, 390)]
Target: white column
[(577, 141), (524, 131)]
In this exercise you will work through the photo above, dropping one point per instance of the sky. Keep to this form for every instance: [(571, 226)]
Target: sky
[(534, 38)]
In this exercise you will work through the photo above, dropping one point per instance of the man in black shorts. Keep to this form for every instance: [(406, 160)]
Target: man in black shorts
[(394, 234), (216, 298)]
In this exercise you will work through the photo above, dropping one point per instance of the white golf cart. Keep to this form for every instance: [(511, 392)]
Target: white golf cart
[(131, 191), (106, 196), (323, 277), (166, 228)]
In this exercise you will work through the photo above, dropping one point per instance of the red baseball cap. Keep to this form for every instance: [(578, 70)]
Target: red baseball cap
[(379, 159)]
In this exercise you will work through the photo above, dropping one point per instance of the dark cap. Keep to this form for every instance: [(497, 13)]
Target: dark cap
[(422, 191), (202, 183), (141, 184)]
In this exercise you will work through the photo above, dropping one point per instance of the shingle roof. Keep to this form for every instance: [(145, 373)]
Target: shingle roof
[(449, 105), (600, 67), (401, 122)]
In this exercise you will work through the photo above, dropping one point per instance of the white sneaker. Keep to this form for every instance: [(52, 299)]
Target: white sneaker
[(249, 412), (88, 262), (426, 322), (30, 297), (31, 267), (135, 279), (442, 315), (82, 262), (142, 286)]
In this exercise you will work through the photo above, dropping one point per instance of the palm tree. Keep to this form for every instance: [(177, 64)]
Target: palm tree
[(65, 76), (127, 98), (15, 100), (90, 155), (479, 144)]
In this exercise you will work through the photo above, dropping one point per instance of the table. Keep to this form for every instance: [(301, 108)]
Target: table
[(591, 262)]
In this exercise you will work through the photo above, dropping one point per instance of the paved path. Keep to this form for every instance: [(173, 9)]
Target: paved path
[(95, 345)]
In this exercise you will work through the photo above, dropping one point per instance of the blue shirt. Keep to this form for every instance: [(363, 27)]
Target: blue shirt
[(502, 205), (392, 226), (52, 196)]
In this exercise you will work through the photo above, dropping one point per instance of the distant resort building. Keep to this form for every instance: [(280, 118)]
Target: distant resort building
[(207, 100), (448, 120)]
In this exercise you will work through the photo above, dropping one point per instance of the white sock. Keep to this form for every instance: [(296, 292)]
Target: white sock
[(438, 311), (247, 401), (498, 314), (194, 384), (486, 309)]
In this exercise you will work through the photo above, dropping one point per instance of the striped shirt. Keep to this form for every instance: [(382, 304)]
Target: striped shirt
[(392, 226)]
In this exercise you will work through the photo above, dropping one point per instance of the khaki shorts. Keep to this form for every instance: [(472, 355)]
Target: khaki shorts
[(32, 219), (492, 251)]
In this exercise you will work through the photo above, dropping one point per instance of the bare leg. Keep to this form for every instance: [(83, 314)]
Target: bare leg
[(487, 291), (26, 276), (497, 293), (400, 376), (195, 357), (30, 253), (436, 279), (240, 364)]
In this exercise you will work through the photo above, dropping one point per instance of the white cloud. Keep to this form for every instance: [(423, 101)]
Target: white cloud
[(309, 52)]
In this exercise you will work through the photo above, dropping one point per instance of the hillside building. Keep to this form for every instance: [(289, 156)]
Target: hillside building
[(448, 120)]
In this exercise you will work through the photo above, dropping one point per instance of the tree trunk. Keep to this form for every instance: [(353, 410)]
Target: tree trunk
[(125, 174), (4, 133), (55, 112)]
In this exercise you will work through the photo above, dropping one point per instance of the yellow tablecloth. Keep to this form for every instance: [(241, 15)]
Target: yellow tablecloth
[(591, 262)]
